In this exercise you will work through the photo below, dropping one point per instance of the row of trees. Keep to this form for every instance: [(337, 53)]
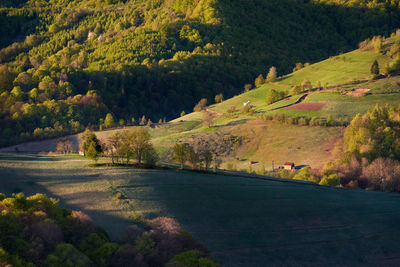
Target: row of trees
[(305, 121), (200, 160), (121, 147)]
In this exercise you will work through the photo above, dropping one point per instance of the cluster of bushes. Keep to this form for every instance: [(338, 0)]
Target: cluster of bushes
[(36, 231), (368, 157), (141, 58), (369, 154), (305, 121)]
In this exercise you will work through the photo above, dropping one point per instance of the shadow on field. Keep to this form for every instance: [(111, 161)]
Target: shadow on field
[(85, 192), (250, 222)]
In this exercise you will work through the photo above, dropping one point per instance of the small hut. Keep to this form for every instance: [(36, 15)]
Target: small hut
[(289, 166)]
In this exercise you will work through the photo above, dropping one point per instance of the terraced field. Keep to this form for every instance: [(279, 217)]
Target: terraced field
[(242, 221)]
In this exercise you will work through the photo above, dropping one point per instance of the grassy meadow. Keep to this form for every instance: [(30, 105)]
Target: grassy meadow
[(345, 68), (242, 221)]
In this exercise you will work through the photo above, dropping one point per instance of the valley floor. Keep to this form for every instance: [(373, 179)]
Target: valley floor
[(243, 222)]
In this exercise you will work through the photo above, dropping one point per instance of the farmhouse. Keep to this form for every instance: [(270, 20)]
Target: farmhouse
[(289, 166)]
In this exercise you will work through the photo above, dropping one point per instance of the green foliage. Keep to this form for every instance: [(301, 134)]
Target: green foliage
[(375, 68), (306, 175), (274, 96), (375, 134), (331, 180), (180, 153), (109, 121), (133, 143), (91, 145), (60, 237), (259, 81), (139, 58), (67, 255), (219, 98), (193, 258), (296, 90)]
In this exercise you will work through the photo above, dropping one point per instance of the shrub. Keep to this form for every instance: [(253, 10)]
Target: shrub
[(193, 258), (200, 105), (164, 225), (383, 174), (259, 81), (272, 74), (331, 180), (306, 174), (67, 255)]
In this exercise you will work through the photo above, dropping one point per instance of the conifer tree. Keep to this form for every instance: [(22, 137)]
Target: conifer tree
[(375, 68)]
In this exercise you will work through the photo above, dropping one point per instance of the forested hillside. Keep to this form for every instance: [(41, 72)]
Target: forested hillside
[(66, 64)]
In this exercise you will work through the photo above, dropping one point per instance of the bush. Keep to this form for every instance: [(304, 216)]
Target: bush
[(193, 258), (331, 180), (307, 174), (383, 174)]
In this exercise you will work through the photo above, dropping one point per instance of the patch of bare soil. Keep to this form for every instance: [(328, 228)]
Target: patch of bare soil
[(359, 92), (306, 106), (214, 112)]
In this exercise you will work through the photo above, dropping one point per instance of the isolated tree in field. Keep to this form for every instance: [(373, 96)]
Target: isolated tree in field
[(272, 74), (139, 142), (306, 85), (296, 90), (219, 98), (109, 120), (183, 113), (208, 157), (259, 81), (143, 120), (64, 146), (89, 139), (298, 66), (180, 154), (92, 151), (247, 87), (375, 69), (272, 96), (200, 105)]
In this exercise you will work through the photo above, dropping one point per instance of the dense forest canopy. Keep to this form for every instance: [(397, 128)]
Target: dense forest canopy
[(66, 64)]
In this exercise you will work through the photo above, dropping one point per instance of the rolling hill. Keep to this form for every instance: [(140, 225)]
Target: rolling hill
[(239, 138), (66, 64)]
